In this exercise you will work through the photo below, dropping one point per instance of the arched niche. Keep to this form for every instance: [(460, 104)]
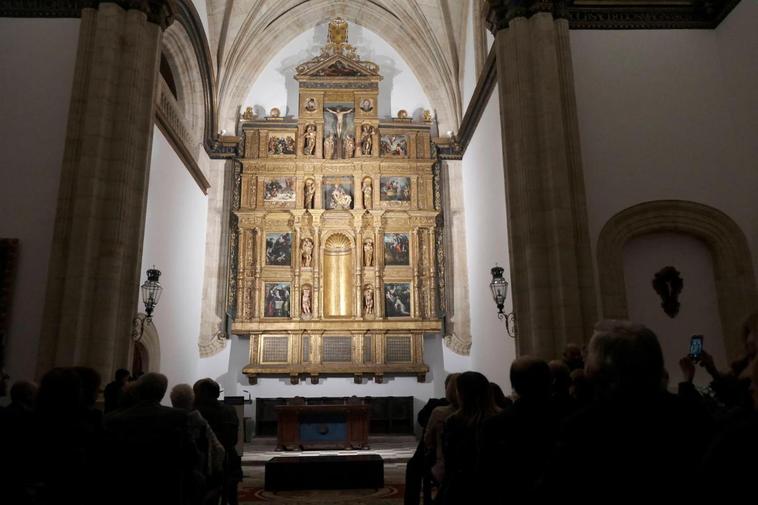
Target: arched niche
[(732, 262), (148, 342), (338, 266)]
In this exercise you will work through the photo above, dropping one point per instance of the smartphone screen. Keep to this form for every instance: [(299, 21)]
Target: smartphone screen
[(696, 346)]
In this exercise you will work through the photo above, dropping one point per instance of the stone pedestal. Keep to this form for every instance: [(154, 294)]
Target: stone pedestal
[(94, 275)]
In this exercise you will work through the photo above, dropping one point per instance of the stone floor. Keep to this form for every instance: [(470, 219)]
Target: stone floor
[(392, 449)]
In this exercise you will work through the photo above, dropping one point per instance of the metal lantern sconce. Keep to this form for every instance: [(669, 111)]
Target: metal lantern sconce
[(151, 291), (499, 287)]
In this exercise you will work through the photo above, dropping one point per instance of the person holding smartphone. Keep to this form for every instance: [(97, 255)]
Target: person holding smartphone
[(732, 388)]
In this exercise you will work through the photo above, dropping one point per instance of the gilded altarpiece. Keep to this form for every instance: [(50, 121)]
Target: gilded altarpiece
[(336, 230)]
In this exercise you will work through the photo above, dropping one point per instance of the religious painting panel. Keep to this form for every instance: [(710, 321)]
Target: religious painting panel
[(337, 192), (311, 104), (279, 249), (395, 189), (396, 249), (279, 191), (397, 299), (339, 119), (277, 299), (281, 143), (367, 105), (394, 145)]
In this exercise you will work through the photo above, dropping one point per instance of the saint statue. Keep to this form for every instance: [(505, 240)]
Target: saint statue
[(368, 252), (305, 304), (307, 256), (349, 146), (368, 300), (329, 147), (339, 115), (367, 139), (309, 140), (367, 193), (340, 199), (310, 193)]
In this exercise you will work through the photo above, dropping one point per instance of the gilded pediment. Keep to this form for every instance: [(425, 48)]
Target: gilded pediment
[(337, 58), (338, 66)]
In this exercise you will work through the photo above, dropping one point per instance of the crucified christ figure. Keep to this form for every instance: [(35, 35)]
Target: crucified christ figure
[(339, 114)]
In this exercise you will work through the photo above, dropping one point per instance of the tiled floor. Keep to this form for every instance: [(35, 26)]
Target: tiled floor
[(397, 449)]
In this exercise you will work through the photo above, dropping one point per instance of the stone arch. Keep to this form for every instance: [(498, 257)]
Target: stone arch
[(405, 29), (732, 263), (186, 48)]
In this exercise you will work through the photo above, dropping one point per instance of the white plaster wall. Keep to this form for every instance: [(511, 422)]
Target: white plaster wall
[(175, 243), (737, 42), (643, 258), (492, 350), (276, 86), (469, 58), (670, 114), (37, 58)]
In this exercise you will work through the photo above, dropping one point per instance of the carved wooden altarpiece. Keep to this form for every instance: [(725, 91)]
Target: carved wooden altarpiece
[(334, 264)]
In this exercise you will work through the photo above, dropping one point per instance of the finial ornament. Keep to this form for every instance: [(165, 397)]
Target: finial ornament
[(337, 31)]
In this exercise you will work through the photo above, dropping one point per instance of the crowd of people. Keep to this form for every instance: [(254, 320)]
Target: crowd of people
[(58, 448), (600, 424)]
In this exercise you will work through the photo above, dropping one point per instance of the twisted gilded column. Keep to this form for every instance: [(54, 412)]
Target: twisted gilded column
[(551, 264), (94, 274)]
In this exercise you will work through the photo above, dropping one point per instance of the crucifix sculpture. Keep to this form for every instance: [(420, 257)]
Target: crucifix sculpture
[(339, 115)]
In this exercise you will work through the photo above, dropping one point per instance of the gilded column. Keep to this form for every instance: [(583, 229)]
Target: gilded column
[(94, 271), (551, 265)]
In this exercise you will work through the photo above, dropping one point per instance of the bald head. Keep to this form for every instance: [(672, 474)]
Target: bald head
[(151, 387), (530, 378)]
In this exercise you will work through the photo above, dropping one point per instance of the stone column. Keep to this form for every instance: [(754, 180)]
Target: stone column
[(552, 274), (94, 273)]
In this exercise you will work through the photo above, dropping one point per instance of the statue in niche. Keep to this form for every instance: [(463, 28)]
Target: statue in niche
[(307, 256), (309, 140), (310, 193), (329, 147), (368, 252), (305, 303), (668, 283), (339, 116), (367, 193), (368, 300), (367, 139), (349, 146), (340, 198)]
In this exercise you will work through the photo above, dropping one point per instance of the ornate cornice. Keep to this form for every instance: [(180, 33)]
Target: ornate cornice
[(615, 14), (160, 12)]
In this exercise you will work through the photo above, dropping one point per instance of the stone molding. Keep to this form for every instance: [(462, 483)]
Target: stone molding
[(732, 262), (170, 120), (615, 15), (159, 12)]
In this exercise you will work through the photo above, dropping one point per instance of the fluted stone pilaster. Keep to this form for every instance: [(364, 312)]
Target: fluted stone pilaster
[(94, 272), (552, 274)]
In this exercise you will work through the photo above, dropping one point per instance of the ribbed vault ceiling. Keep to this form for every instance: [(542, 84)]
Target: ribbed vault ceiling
[(428, 34)]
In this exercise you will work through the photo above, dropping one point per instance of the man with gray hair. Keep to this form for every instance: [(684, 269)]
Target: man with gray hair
[(151, 444), (635, 438)]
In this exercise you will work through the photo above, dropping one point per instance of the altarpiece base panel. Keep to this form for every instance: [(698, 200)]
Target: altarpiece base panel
[(335, 230)]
